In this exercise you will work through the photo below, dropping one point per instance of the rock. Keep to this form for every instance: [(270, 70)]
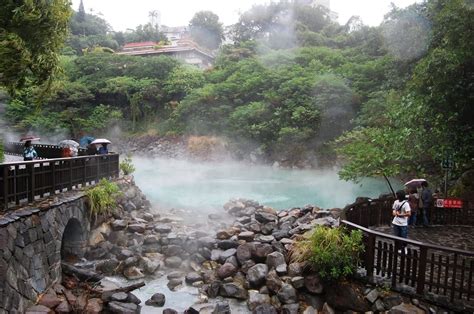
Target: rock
[(49, 300), (122, 308), (268, 228), (310, 310), (170, 311), (150, 266), (119, 224), (173, 261), (246, 236), (233, 290), (222, 307), (260, 251), (63, 307), (277, 260), (119, 296), (264, 238), (327, 309), (233, 260), (131, 298), (173, 283), (314, 284), (264, 217), (163, 228), (280, 234), (192, 277), (392, 300), (226, 254), (224, 234), (226, 270), (273, 282), (158, 299), (95, 237), (148, 217), (151, 239), (133, 273), (39, 309), (295, 269), (244, 252), (247, 265), (94, 306), (255, 299), (207, 242), (287, 294), (124, 254), (316, 301), (227, 244), (256, 275), (136, 227), (378, 306), (372, 296), (265, 309), (345, 296), (131, 261), (290, 308), (297, 282), (174, 275), (406, 308), (107, 266), (213, 289), (118, 238)]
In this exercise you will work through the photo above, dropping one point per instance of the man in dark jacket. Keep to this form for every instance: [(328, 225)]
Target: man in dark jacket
[(427, 200)]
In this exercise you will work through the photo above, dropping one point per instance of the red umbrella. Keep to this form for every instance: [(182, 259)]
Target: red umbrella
[(415, 183)]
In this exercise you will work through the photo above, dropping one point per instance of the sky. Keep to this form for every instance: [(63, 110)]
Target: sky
[(127, 14)]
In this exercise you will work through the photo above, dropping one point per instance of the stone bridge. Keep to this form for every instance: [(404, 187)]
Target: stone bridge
[(33, 241)]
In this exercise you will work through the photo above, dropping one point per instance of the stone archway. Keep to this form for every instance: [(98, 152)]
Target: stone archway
[(74, 241)]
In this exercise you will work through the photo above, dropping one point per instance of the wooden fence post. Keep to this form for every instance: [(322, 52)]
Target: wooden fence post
[(32, 185), (369, 257), (5, 187), (420, 282)]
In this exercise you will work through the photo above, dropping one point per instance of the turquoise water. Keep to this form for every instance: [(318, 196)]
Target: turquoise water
[(184, 184)]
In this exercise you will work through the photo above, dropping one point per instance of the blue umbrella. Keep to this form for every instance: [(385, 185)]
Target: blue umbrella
[(86, 140)]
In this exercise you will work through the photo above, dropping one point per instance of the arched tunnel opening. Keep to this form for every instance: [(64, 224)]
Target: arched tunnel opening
[(74, 241)]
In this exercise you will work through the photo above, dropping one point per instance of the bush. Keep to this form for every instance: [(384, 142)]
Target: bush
[(332, 252), (102, 197), (127, 166)]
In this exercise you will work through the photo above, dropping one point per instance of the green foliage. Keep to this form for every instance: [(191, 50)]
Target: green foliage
[(206, 29), (127, 166), (31, 36), (102, 197), (332, 252)]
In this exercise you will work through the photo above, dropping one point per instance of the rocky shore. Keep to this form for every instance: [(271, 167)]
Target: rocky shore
[(242, 253)]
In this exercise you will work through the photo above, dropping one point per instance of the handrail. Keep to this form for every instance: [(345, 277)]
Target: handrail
[(407, 241), (30, 180)]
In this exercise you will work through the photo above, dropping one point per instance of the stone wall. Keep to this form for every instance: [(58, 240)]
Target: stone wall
[(30, 243)]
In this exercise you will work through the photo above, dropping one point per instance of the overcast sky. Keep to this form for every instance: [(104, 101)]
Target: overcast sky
[(123, 14)]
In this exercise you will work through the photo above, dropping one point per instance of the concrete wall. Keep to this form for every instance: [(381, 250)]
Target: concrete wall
[(30, 242)]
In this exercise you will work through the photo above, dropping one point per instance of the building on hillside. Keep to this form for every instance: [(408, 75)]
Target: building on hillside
[(175, 33), (183, 50)]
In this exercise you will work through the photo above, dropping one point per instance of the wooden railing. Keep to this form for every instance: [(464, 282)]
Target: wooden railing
[(378, 212), (30, 180), (424, 269)]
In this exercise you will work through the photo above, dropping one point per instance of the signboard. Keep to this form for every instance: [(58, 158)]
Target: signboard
[(449, 203)]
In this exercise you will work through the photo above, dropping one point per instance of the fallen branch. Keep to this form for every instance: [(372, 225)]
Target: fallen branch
[(107, 294), (81, 274)]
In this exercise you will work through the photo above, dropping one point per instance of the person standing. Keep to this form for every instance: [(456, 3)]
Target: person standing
[(413, 200), (401, 212), (426, 200), (103, 150), (29, 152)]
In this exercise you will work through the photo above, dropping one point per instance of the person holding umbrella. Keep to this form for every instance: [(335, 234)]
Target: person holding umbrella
[(29, 152), (103, 150)]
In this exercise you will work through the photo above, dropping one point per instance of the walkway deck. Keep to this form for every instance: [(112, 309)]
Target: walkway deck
[(459, 237)]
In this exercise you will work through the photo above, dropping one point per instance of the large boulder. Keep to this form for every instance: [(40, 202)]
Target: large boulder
[(256, 299), (264, 217), (244, 252), (314, 284), (260, 251), (158, 300), (346, 296), (256, 275), (287, 294), (277, 260), (233, 290), (227, 270)]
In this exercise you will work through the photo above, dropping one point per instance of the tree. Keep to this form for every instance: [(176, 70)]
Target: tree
[(81, 13), (31, 36), (206, 29)]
